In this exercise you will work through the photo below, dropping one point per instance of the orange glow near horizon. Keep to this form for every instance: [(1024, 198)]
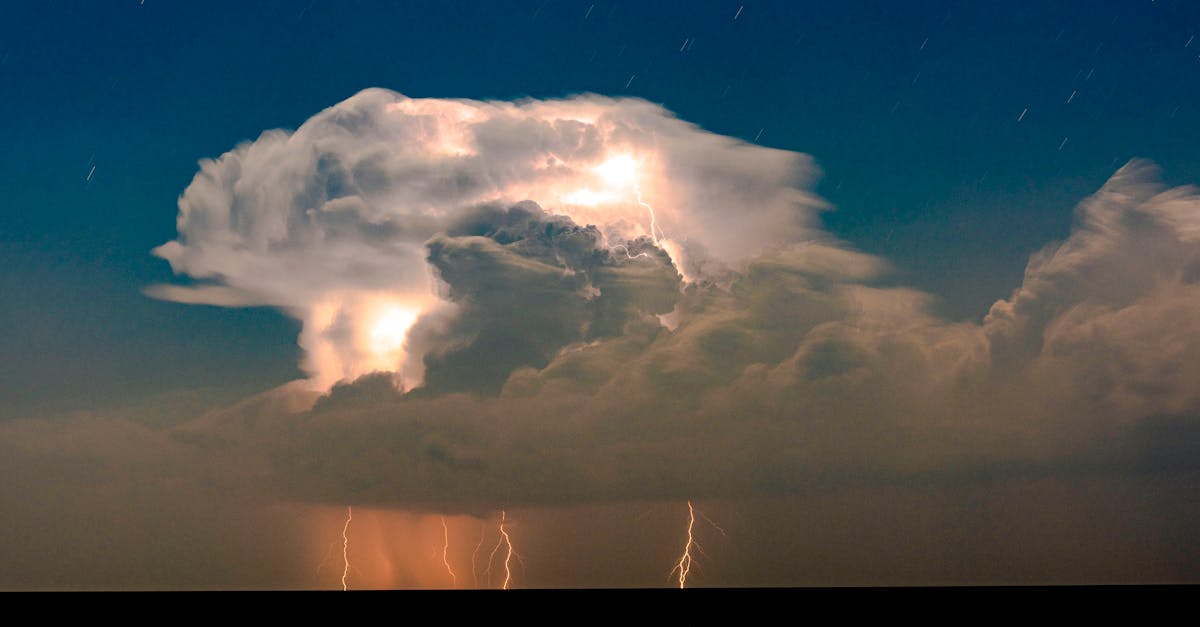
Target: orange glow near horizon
[(388, 549), (391, 549)]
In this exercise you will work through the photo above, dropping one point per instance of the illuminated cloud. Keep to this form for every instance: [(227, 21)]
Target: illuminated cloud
[(567, 357), (1108, 316), (342, 222), (800, 371)]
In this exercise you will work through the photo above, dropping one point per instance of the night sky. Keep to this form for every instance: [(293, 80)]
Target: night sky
[(967, 355)]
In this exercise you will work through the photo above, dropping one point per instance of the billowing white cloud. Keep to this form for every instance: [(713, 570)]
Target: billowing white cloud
[(499, 252), (331, 222), (1109, 315)]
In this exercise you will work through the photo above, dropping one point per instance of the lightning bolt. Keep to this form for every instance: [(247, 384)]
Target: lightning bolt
[(508, 555), (684, 565), (506, 541), (622, 171), (346, 548), (656, 233), (446, 550), (625, 249), (475, 554), (713, 523), (325, 560)]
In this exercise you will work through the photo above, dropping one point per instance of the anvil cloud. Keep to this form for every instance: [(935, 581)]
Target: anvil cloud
[(333, 223), (554, 347)]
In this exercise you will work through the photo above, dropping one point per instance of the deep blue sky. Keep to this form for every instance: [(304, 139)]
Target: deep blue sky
[(911, 108)]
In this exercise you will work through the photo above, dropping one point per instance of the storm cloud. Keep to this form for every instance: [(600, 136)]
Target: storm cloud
[(334, 223), (558, 353), (566, 361)]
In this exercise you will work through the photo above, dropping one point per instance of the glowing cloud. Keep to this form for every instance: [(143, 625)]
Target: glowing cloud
[(330, 223), (531, 255)]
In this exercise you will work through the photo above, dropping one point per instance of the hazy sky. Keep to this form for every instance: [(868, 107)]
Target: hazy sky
[(891, 293)]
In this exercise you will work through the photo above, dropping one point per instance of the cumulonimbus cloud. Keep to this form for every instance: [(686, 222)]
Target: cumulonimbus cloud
[(332, 223), (570, 353), (800, 371)]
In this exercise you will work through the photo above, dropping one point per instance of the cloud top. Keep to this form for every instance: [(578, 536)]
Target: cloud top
[(338, 223)]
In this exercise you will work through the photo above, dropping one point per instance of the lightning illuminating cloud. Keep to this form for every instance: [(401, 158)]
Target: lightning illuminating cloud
[(329, 223)]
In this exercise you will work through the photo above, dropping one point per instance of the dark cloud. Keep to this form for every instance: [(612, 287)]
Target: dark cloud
[(526, 285)]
